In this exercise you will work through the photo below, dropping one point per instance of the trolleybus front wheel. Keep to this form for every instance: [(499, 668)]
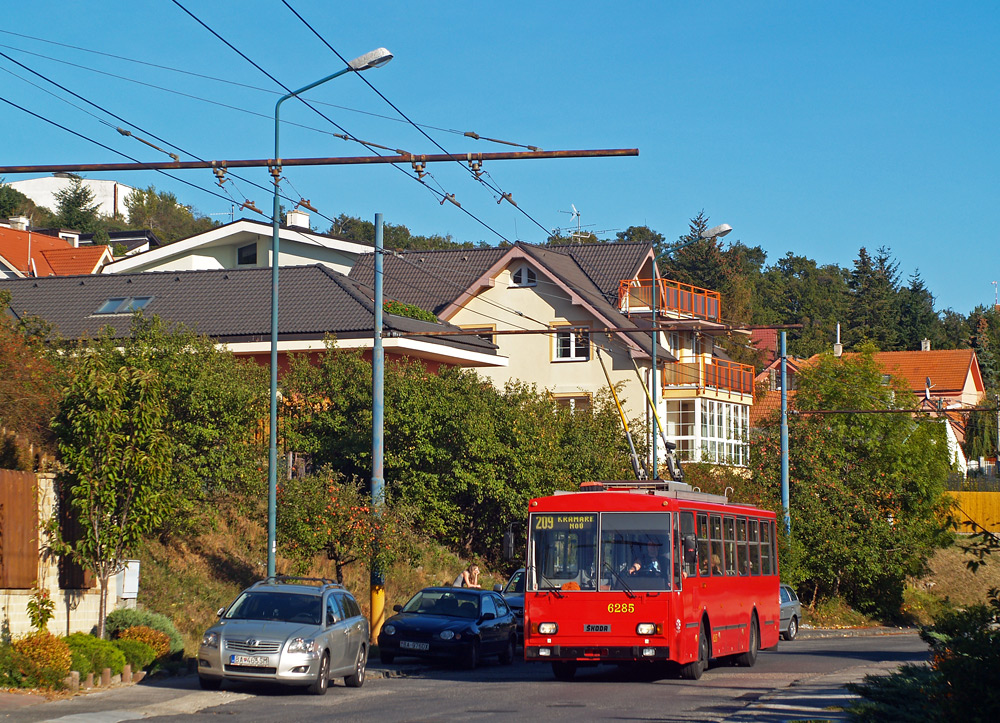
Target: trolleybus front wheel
[(694, 669)]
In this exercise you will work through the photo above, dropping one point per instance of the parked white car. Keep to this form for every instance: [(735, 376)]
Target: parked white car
[(791, 613)]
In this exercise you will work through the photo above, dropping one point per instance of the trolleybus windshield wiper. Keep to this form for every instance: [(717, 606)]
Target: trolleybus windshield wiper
[(625, 587), (541, 588)]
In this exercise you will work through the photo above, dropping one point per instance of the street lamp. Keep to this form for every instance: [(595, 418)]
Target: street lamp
[(374, 59), (706, 235)]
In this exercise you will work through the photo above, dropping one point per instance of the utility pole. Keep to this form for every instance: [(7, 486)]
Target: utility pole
[(784, 436), (378, 445)]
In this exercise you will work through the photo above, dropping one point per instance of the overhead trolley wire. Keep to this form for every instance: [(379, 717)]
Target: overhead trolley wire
[(444, 197), (472, 172)]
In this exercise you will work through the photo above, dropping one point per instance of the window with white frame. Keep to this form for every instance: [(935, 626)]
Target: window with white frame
[(573, 345), (523, 276), (724, 429), (572, 402)]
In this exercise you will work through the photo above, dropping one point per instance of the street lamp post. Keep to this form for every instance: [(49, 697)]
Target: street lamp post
[(374, 59), (706, 235)]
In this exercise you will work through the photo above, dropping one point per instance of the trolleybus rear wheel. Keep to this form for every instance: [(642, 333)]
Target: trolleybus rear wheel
[(748, 658)]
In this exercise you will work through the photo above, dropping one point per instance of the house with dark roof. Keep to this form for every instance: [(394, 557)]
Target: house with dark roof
[(572, 319), (246, 244), (233, 307)]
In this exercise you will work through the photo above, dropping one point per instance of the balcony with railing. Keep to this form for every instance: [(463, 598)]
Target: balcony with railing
[(672, 297), (718, 374)]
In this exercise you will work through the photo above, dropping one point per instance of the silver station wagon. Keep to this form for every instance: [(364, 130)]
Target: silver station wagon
[(290, 630)]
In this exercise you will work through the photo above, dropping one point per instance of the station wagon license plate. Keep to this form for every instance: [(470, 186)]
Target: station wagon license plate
[(597, 628), (406, 644), (256, 661)]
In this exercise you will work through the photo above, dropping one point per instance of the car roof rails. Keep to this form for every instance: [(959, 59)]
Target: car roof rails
[(292, 580)]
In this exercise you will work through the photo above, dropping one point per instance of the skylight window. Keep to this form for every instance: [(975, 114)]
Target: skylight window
[(123, 305)]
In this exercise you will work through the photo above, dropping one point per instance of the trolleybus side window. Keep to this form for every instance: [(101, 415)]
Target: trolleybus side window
[(729, 535), (765, 547), (754, 546), (703, 557), (718, 558), (689, 542), (561, 551), (678, 557), (635, 551), (742, 559)]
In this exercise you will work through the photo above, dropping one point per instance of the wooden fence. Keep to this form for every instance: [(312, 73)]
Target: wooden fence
[(983, 508)]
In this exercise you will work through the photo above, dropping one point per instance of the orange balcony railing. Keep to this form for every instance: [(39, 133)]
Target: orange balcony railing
[(720, 374), (671, 296)]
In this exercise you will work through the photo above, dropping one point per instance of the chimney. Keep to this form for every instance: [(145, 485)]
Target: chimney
[(925, 345), (838, 348), (297, 218), (19, 223)]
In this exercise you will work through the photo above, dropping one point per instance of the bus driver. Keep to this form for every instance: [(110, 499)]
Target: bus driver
[(648, 563)]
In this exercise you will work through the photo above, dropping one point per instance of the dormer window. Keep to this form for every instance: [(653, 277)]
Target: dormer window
[(247, 255), (523, 276)]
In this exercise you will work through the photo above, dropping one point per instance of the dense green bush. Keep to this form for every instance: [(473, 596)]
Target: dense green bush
[(962, 681), (92, 655), (159, 642), (119, 620), (137, 653), (40, 659)]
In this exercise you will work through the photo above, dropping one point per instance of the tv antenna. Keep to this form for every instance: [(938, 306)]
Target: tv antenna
[(578, 234), (996, 300)]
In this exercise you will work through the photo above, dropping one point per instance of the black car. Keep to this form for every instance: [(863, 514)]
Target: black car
[(459, 624), (513, 593)]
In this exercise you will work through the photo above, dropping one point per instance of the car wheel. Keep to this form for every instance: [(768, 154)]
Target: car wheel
[(693, 670), (322, 681), (507, 656), (748, 658), (357, 678), (472, 655), (563, 670), (386, 657), (792, 630), (209, 683)]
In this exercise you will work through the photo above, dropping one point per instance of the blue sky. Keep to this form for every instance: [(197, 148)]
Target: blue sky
[(811, 128)]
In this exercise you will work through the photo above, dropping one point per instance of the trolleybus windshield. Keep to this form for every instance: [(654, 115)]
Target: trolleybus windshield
[(634, 553)]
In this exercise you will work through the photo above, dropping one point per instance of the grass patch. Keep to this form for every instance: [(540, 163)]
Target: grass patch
[(189, 579)]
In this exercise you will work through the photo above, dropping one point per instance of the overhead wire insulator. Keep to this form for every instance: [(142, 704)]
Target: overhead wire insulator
[(220, 176), (250, 205), (419, 168), (450, 197), (177, 159), (509, 198), (476, 167), (304, 203)]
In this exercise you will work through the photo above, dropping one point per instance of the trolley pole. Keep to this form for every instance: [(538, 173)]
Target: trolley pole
[(784, 436), (378, 447)]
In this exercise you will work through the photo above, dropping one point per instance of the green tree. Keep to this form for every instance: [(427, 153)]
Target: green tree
[(917, 318), (14, 203), (76, 209), (161, 213), (464, 456), (642, 234), (394, 236), (867, 495), (874, 314), (117, 456)]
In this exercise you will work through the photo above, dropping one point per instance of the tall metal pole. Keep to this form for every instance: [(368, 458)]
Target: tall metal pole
[(378, 429), (272, 451), (784, 436), (656, 341)]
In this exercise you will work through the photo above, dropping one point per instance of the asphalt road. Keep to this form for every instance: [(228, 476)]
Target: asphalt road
[(801, 680)]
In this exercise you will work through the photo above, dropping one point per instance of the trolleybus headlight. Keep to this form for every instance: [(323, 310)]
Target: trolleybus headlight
[(548, 628), (648, 629), (649, 652)]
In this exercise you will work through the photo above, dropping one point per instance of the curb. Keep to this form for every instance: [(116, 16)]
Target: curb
[(807, 633)]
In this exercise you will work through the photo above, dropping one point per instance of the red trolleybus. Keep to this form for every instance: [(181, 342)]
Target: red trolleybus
[(648, 571)]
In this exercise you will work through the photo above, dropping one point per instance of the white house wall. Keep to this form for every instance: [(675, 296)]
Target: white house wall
[(531, 356)]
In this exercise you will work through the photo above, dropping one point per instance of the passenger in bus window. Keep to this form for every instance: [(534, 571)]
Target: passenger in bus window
[(716, 565)]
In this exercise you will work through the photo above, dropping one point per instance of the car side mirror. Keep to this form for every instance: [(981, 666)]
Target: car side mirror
[(690, 549), (498, 587), (218, 613), (397, 608), (488, 616), (508, 546)]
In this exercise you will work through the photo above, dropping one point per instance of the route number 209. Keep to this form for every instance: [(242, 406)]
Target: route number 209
[(621, 608)]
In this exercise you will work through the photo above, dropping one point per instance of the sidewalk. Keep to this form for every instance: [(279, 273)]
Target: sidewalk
[(819, 697)]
